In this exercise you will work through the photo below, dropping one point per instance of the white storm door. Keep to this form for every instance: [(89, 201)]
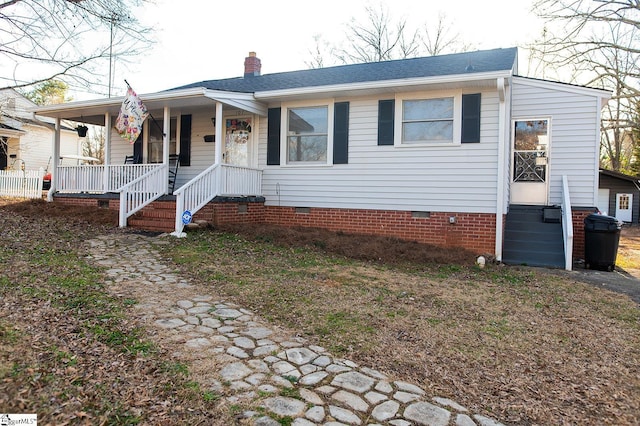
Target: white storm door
[(237, 141), (624, 202), (530, 170)]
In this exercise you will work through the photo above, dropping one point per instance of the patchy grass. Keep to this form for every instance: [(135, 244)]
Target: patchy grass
[(520, 344), (67, 348), (514, 342)]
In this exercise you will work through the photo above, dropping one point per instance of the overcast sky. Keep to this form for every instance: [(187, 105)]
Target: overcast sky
[(203, 40)]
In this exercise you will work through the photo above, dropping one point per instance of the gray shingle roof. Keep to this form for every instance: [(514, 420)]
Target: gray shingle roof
[(431, 66)]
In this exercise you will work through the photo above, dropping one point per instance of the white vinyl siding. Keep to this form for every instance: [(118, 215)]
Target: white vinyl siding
[(574, 135), (449, 178)]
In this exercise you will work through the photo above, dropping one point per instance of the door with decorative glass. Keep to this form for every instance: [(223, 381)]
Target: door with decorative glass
[(530, 165), (237, 141)]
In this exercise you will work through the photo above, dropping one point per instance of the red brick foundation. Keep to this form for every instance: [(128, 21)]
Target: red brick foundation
[(219, 213), (473, 231), (578, 215)]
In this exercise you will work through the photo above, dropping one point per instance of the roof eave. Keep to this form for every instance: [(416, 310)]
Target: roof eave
[(396, 85), (82, 110)]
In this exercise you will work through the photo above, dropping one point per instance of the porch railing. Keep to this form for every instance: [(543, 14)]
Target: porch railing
[(219, 179), (21, 183), (140, 192), (567, 225), (99, 178)]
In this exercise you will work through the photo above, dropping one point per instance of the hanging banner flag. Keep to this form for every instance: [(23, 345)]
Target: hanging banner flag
[(132, 115)]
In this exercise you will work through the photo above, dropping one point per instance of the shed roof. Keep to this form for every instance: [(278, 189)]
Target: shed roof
[(619, 175)]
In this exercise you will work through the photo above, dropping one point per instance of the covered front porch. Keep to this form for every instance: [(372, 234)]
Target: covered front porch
[(177, 153)]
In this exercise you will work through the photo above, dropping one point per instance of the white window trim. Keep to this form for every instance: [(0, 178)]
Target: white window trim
[(284, 126), (457, 118), (145, 136)]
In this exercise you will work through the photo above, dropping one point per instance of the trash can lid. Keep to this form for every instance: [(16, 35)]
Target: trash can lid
[(600, 222), (600, 218)]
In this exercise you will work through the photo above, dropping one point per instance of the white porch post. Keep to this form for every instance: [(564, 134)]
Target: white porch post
[(166, 128), (107, 151), (219, 141), (55, 156), (502, 147)]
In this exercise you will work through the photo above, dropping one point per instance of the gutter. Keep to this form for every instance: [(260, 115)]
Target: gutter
[(382, 84)]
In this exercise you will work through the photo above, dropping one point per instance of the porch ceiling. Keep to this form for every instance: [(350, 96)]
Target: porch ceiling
[(93, 111)]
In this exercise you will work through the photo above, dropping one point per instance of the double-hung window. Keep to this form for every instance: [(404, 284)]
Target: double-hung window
[(428, 120), (307, 134), (155, 139)]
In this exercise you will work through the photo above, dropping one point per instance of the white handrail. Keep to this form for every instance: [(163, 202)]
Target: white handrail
[(140, 192), (218, 179), (91, 178), (567, 225)]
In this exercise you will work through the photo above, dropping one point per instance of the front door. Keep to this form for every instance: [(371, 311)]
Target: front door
[(530, 169), (624, 203), (237, 141)]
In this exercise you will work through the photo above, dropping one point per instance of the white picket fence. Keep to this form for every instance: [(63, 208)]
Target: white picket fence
[(21, 183)]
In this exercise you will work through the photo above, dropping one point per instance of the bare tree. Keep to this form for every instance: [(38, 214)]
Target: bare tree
[(93, 146), (70, 40), (598, 41), (441, 39), (381, 37), (378, 39), (320, 52)]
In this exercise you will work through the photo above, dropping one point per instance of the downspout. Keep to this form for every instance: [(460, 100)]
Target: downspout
[(56, 160), (500, 196)]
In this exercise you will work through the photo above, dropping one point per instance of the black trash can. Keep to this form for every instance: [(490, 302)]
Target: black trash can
[(601, 238)]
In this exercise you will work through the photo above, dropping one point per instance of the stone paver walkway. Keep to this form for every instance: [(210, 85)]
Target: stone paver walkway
[(233, 352)]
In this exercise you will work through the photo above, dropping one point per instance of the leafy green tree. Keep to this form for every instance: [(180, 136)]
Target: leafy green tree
[(49, 92)]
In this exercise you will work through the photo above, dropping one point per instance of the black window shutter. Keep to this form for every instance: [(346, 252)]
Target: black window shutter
[(471, 118), (386, 114), (185, 140), (273, 137), (341, 133), (137, 148)]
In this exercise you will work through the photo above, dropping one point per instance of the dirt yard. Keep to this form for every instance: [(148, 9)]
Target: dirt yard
[(524, 345)]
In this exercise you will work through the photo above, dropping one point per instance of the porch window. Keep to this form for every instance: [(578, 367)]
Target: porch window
[(154, 141), (307, 134)]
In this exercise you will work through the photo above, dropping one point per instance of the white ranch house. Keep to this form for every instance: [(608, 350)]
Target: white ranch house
[(453, 150)]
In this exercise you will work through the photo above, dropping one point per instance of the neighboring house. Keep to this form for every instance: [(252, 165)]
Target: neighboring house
[(26, 140), (452, 150), (619, 195)]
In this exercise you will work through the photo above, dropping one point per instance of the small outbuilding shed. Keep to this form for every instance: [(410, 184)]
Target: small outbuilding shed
[(619, 195)]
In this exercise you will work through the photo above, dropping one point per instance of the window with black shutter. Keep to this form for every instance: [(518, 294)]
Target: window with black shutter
[(273, 136), (185, 140), (386, 113), (341, 133), (471, 118)]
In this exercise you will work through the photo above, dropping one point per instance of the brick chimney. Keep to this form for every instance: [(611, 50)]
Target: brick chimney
[(252, 65)]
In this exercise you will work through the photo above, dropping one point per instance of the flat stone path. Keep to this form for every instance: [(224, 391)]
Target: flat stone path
[(236, 354)]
